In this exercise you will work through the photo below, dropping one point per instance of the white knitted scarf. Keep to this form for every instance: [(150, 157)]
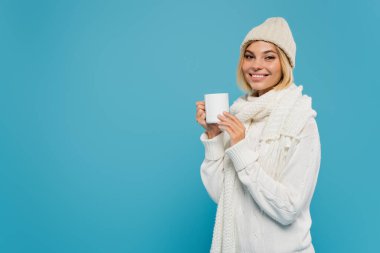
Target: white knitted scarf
[(288, 111)]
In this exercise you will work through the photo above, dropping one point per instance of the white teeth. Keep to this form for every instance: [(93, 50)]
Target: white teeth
[(258, 76)]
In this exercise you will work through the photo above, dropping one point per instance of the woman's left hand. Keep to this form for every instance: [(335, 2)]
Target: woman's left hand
[(233, 126)]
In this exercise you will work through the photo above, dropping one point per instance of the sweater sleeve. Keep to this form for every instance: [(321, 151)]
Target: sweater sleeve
[(212, 172), (282, 200)]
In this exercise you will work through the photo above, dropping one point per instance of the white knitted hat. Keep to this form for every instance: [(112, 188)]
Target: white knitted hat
[(275, 30)]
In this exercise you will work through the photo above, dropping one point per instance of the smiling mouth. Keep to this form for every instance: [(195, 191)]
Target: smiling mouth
[(258, 75)]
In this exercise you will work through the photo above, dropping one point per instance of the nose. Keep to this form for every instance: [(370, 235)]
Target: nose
[(257, 64)]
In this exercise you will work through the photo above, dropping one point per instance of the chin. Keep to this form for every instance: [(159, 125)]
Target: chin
[(259, 86)]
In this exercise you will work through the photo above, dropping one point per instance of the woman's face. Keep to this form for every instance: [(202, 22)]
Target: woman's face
[(261, 66)]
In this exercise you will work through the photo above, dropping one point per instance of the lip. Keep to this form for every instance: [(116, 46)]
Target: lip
[(258, 77)]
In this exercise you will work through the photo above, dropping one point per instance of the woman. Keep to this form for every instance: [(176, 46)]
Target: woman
[(262, 159)]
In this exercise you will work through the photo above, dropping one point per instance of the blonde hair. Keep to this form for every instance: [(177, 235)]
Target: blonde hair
[(286, 69)]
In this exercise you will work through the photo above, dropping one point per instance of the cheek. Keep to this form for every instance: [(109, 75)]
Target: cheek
[(277, 69), (279, 72), (244, 67)]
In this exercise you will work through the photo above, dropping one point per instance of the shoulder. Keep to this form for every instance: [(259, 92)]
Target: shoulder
[(300, 120), (310, 129)]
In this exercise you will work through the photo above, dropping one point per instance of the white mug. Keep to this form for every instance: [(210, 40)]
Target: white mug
[(216, 104)]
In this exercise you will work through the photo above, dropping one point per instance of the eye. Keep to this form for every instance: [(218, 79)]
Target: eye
[(247, 56), (270, 57)]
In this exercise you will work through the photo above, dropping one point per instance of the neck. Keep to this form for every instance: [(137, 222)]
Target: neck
[(262, 92), (259, 93)]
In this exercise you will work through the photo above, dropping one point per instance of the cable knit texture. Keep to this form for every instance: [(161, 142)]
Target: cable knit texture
[(275, 30), (286, 112)]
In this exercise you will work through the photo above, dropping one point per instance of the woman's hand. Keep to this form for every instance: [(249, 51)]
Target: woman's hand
[(233, 126), (212, 130)]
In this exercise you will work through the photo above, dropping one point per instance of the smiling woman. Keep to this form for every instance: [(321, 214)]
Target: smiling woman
[(263, 66), (262, 168)]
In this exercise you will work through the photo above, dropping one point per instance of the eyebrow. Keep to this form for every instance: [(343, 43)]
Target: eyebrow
[(267, 51)]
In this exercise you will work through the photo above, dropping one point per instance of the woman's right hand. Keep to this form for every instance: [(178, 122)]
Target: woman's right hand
[(212, 130)]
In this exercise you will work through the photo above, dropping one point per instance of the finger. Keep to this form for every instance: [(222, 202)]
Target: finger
[(200, 103), (230, 122), (201, 118), (228, 129), (200, 110), (232, 117), (203, 115), (201, 107), (235, 119), (200, 114), (228, 126)]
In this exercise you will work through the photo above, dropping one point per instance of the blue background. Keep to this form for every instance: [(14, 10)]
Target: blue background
[(99, 148)]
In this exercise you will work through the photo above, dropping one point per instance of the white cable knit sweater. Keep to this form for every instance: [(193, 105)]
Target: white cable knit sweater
[(270, 213)]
